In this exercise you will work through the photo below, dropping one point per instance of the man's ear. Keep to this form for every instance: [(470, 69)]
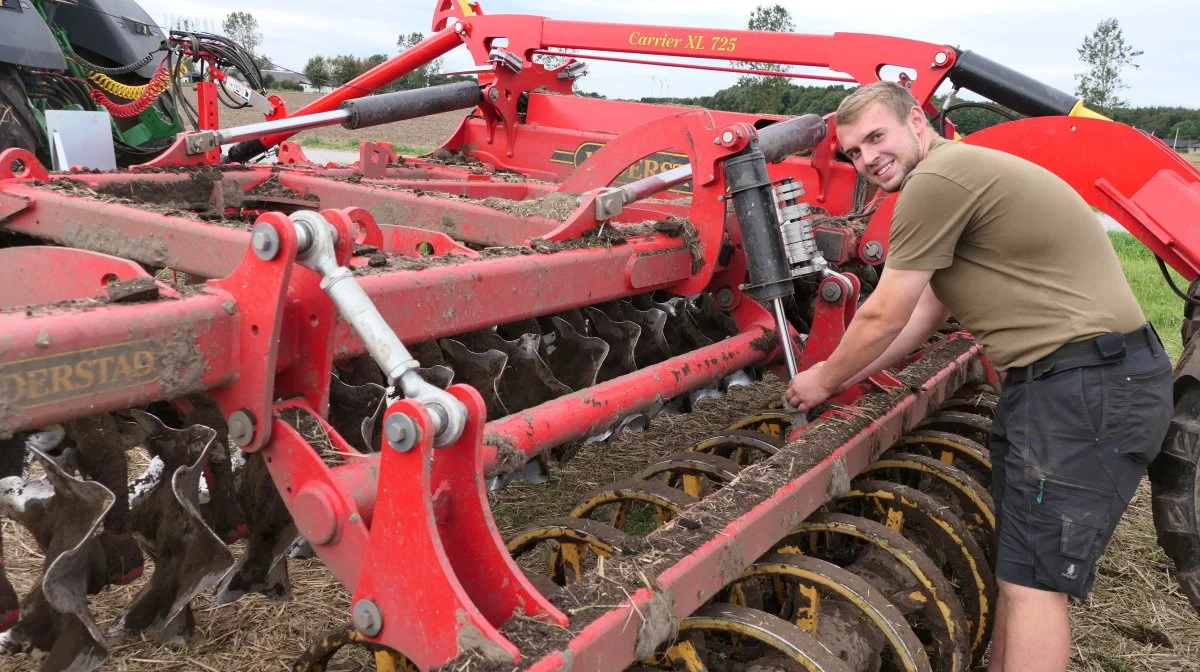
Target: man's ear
[(916, 118)]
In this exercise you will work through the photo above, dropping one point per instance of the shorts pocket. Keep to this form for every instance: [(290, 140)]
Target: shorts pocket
[(1068, 525), (1138, 412)]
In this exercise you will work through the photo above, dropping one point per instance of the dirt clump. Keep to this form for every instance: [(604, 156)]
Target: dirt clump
[(556, 205)]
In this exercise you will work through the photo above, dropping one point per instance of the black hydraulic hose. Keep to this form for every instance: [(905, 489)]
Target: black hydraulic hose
[(122, 70), (1172, 285)]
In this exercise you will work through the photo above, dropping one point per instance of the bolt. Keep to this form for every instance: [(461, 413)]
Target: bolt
[(459, 27), (725, 298), (831, 291), (727, 136), (873, 250), (940, 58), (265, 241), (494, 95), (367, 618), (241, 427), (401, 432)]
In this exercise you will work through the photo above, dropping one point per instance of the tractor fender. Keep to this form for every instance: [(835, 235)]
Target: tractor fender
[(118, 30), (27, 39)]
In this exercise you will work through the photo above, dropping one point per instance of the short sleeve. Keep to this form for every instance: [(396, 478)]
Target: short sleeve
[(930, 216)]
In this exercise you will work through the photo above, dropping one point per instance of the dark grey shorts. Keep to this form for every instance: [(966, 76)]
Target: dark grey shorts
[(1068, 450)]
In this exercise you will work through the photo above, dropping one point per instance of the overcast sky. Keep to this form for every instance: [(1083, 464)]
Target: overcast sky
[(1036, 37)]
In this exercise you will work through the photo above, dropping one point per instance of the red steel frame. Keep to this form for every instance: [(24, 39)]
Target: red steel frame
[(264, 330)]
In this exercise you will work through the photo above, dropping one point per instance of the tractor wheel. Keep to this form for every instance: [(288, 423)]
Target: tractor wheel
[(17, 125), (1175, 487)]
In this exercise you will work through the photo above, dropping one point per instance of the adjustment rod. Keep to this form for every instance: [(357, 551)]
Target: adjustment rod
[(317, 241)]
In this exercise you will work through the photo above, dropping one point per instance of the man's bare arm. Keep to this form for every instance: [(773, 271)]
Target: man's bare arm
[(927, 317)]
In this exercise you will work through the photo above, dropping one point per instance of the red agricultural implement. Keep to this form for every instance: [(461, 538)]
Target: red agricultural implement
[(352, 355)]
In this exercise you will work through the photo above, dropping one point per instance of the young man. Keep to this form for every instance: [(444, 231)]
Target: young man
[(1021, 261)]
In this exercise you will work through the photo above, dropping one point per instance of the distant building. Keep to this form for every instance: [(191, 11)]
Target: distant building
[(1185, 146), (299, 78)]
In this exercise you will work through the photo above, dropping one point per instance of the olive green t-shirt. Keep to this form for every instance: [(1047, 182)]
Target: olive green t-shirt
[(1019, 258)]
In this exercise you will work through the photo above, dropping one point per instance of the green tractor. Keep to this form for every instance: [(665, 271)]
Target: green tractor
[(87, 55)]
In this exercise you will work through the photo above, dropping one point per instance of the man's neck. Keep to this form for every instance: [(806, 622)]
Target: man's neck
[(926, 141)]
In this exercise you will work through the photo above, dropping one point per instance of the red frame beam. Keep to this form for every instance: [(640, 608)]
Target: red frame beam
[(83, 361)]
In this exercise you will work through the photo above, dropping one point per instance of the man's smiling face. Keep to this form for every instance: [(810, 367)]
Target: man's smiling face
[(884, 148)]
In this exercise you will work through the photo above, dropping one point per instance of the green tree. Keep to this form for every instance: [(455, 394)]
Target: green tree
[(764, 93), (775, 19), (1106, 55), (422, 76), (242, 28), (317, 71), (345, 67), (1188, 129)]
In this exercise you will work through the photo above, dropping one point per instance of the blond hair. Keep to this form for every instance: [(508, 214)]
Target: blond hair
[(893, 96)]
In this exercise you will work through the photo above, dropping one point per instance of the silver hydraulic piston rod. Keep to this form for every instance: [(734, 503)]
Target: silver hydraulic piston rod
[(776, 142), (353, 114)]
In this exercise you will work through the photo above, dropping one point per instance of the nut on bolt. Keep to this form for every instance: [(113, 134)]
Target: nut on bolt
[(241, 427), (724, 298), (831, 291), (367, 618), (873, 250), (265, 241), (401, 432)]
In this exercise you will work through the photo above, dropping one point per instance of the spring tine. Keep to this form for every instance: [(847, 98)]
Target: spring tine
[(527, 380), (62, 512), (622, 338), (349, 405), (101, 453), (270, 532), (190, 557), (574, 358), (480, 370), (652, 346)]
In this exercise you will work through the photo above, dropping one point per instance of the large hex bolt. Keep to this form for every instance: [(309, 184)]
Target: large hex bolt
[(401, 432), (265, 241), (241, 427), (367, 618), (831, 292)]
